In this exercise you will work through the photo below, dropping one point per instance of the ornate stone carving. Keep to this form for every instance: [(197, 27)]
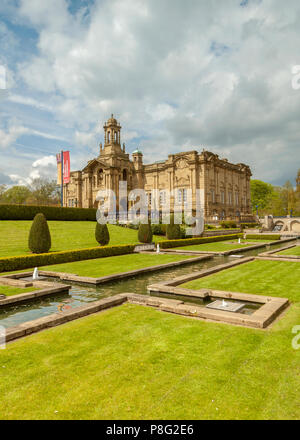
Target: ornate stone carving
[(181, 163)]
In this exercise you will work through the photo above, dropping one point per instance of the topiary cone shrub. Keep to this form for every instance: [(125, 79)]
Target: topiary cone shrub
[(173, 230), (145, 233), (102, 234), (39, 240)]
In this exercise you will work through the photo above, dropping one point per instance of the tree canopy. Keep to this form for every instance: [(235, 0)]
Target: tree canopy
[(276, 200), (39, 192)]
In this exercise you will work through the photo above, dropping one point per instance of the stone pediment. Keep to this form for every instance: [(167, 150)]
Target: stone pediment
[(93, 164)]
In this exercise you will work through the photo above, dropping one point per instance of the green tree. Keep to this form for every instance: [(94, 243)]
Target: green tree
[(145, 233), (44, 191), (16, 194), (173, 230), (39, 240), (102, 234), (3, 188), (289, 197), (261, 194)]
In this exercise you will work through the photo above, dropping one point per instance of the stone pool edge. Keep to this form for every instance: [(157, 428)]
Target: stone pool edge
[(49, 289), (229, 252), (267, 313), (271, 307), (271, 255), (64, 276)]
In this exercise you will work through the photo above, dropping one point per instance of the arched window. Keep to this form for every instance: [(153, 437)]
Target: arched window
[(124, 175), (108, 136), (116, 136), (99, 177)]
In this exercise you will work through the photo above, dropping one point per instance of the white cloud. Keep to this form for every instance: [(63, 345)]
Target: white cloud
[(26, 100), (11, 135), (44, 167), (44, 162), (14, 131)]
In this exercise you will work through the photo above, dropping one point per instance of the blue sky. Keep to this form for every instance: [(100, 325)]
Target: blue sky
[(177, 75)]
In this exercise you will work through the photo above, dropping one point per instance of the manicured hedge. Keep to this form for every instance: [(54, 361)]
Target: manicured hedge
[(165, 244), (37, 260), (228, 224), (249, 225), (24, 212), (264, 236)]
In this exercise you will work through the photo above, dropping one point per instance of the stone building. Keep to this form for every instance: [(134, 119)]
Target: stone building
[(224, 187)]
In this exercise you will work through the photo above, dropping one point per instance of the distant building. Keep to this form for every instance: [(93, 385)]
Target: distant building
[(224, 187)]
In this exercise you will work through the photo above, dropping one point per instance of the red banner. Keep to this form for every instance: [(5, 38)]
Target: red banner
[(66, 166)]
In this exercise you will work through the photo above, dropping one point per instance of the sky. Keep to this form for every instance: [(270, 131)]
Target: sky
[(178, 75)]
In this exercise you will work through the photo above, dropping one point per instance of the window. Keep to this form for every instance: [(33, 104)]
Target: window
[(184, 195), (213, 195), (179, 196), (222, 197), (236, 199), (100, 177), (162, 197), (230, 198), (149, 198)]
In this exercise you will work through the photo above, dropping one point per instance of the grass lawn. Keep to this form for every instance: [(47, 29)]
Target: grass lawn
[(222, 246), (292, 251), (65, 235), (109, 265), (264, 277), (12, 290), (134, 362)]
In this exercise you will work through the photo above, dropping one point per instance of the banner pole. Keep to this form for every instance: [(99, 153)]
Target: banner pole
[(62, 179)]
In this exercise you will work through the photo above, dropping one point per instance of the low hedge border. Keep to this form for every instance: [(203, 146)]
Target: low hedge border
[(28, 212), (264, 236), (249, 225), (37, 260), (166, 244)]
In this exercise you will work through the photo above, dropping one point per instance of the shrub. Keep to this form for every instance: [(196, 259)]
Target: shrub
[(164, 229), (200, 240), (145, 233), (209, 227), (173, 230), (249, 225), (182, 231), (39, 240), (132, 226), (228, 224), (102, 234), (264, 236), (24, 212), (36, 260), (158, 229)]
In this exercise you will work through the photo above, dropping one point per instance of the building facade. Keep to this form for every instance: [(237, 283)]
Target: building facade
[(224, 187)]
